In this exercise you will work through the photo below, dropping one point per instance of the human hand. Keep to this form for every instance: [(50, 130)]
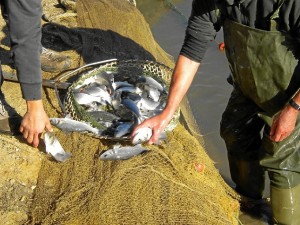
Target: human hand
[(34, 122), (283, 124), (157, 124)]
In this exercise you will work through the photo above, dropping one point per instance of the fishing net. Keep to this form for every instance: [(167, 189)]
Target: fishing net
[(174, 183), (163, 186)]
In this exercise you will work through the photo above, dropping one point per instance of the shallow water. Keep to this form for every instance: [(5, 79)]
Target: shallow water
[(209, 92)]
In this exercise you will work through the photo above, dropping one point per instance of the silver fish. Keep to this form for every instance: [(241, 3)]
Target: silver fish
[(96, 90), (130, 89), (153, 93), (107, 79), (54, 148), (123, 129), (147, 104), (143, 134), (131, 105), (86, 99), (119, 84), (116, 99), (122, 153), (70, 125), (149, 81), (84, 83)]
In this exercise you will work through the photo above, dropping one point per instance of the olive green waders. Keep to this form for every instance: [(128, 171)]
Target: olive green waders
[(266, 75)]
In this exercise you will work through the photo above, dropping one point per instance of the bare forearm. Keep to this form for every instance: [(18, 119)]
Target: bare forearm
[(183, 76), (34, 105)]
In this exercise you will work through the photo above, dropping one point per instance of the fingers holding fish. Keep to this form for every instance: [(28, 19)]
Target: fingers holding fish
[(157, 127), (142, 135), (155, 135)]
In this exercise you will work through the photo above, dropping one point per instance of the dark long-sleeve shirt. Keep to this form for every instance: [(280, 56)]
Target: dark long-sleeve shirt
[(207, 17), (24, 23)]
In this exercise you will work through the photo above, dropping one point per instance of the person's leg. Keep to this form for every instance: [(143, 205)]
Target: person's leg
[(9, 119), (285, 197), (282, 161), (240, 129), (5, 17)]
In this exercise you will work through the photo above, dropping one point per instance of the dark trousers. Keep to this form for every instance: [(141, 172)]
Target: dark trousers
[(250, 151)]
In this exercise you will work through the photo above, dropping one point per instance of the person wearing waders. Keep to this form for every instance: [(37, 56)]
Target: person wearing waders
[(23, 19), (261, 123)]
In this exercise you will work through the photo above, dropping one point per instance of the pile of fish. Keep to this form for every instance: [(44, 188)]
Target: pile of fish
[(110, 105), (115, 105)]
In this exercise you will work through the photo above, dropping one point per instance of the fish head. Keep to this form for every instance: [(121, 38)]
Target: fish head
[(108, 155), (53, 121)]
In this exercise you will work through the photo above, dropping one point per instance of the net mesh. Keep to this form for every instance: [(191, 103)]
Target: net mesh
[(162, 186)]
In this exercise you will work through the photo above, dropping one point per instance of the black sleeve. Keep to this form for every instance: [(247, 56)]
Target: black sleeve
[(201, 29)]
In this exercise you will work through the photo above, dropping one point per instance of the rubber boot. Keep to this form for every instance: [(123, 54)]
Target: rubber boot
[(248, 176), (285, 205)]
